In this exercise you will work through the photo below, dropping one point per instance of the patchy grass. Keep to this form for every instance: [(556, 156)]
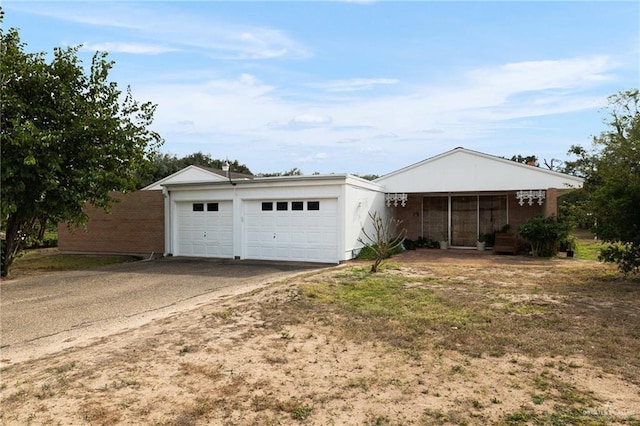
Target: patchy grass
[(588, 247), (551, 342), (574, 311), (50, 260), (382, 305)]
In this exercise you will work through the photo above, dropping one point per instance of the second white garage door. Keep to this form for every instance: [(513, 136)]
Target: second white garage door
[(297, 230)]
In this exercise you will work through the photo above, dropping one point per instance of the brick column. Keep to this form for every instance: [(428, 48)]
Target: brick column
[(551, 203)]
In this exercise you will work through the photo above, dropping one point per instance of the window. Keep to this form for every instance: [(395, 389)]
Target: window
[(282, 205), (198, 207), (313, 205), (212, 207), (297, 205), (267, 206)]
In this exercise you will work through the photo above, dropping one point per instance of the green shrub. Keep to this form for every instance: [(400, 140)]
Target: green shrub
[(367, 253), (370, 251), (409, 244), (423, 242), (627, 256), (544, 234)]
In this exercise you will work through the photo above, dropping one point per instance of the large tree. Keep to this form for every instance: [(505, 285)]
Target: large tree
[(611, 169), (69, 137)]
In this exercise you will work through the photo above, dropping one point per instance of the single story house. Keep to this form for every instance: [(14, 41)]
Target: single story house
[(454, 196)]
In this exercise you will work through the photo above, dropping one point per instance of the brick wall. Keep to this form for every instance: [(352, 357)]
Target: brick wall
[(134, 225), (520, 214), (410, 215)]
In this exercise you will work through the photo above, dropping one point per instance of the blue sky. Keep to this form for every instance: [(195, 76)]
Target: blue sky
[(356, 86)]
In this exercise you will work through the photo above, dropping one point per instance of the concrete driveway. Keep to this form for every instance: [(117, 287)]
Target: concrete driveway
[(48, 313)]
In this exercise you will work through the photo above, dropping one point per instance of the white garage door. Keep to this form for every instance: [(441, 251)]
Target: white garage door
[(205, 229), (298, 230)]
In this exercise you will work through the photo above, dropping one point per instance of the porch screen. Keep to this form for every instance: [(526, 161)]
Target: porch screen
[(435, 217), (464, 220), (492, 213)]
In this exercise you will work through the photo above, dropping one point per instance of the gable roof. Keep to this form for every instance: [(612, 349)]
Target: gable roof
[(464, 170), (193, 174)]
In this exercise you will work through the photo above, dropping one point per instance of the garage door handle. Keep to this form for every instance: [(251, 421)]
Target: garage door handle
[(274, 235)]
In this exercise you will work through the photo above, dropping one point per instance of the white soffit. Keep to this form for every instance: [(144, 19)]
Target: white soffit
[(463, 170)]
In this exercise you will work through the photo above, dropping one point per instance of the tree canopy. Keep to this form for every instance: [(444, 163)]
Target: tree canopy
[(611, 169), (292, 172), (163, 165), (530, 160), (69, 137)]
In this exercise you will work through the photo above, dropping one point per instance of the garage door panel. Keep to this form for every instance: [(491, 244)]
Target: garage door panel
[(282, 253), (198, 249), (298, 221), (314, 237), (329, 237), (267, 221), (298, 236)]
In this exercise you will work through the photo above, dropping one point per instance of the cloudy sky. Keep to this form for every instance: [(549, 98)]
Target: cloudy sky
[(356, 86)]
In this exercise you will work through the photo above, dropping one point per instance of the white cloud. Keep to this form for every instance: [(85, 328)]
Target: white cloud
[(124, 47), (355, 84), (372, 150), (170, 26), (227, 106), (432, 118), (315, 158), (545, 74), (310, 120)]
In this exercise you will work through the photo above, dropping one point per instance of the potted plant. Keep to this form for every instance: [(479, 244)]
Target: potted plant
[(570, 243), (444, 240), (482, 242)]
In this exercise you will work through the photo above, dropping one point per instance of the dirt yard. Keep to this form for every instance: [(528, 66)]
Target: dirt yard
[(435, 338)]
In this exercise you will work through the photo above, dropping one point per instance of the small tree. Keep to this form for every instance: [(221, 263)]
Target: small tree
[(384, 239)]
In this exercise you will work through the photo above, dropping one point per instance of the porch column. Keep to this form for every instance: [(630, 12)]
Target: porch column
[(551, 203)]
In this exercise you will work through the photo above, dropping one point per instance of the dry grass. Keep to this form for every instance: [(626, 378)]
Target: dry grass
[(39, 261), (430, 343)]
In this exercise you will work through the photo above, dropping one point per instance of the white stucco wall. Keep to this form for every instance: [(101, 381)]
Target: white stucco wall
[(360, 200)]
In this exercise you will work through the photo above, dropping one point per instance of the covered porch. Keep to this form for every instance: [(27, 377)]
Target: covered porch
[(460, 194), (460, 217)]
